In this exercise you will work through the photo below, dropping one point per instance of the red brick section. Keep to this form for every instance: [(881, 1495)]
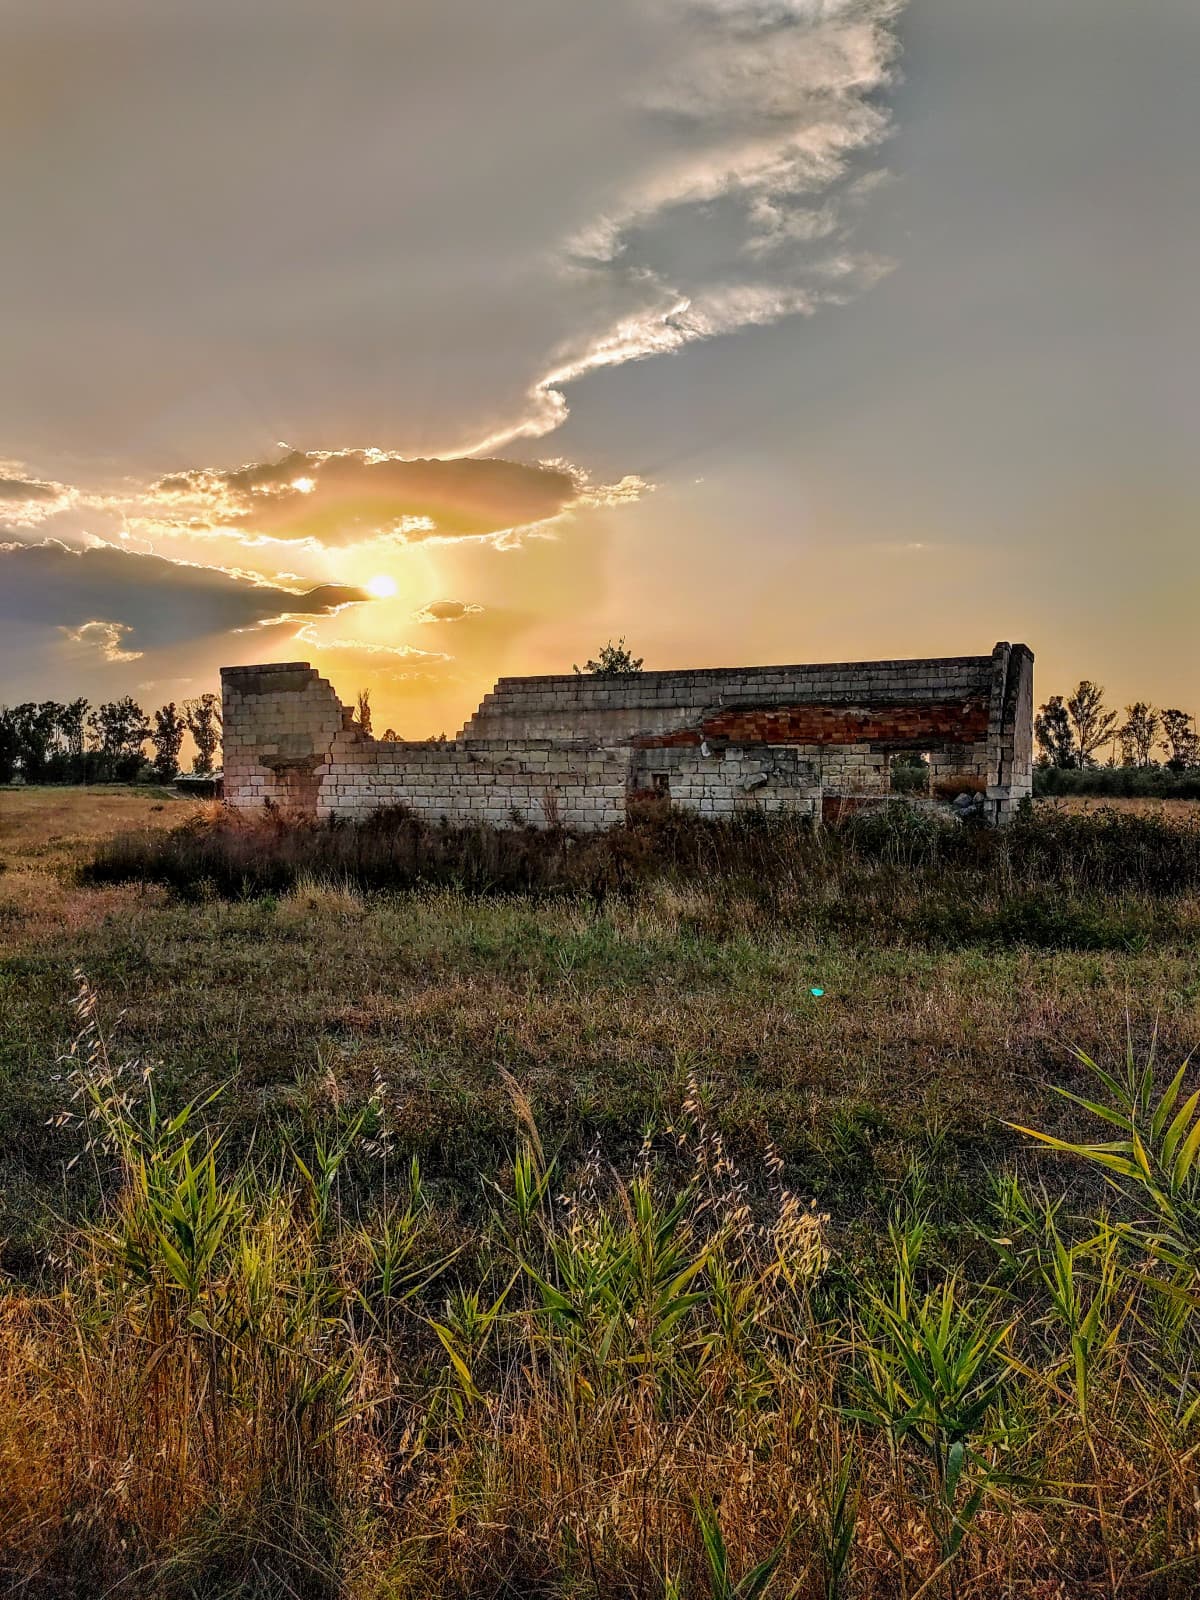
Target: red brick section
[(938, 722)]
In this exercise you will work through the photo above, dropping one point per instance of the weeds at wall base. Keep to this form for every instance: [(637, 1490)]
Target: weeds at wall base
[(1095, 882)]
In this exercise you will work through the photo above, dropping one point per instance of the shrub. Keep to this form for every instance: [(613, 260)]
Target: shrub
[(895, 873), (1112, 782)]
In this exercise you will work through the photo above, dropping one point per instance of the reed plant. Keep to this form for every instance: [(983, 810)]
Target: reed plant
[(665, 1378)]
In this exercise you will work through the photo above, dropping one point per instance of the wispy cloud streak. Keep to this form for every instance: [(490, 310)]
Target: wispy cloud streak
[(773, 108)]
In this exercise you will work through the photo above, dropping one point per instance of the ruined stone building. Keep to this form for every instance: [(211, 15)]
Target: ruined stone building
[(576, 749)]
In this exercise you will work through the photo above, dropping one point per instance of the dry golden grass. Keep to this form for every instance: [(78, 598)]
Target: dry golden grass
[(44, 833), (1131, 805), (226, 1398), (601, 1012), (50, 825), (537, 1404)]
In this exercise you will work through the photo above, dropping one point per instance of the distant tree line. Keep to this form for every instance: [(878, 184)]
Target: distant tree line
[(52, 741), (1143, 749)]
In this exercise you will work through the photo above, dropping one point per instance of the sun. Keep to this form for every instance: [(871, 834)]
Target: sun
[(381, 587)]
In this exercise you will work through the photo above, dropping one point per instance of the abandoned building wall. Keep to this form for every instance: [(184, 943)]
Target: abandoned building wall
[(1010, 731), (717, 782), (289, 740), (278, 722), (500, 782), (573, 749), (613, 710)]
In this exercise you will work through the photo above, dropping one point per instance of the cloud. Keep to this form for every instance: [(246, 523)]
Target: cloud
[(106, 637), (27, 489), (160, 603), (353, 496), (310, 635), (30, 501), (446, 611), (739, 215), (393, 664), (639, 155)]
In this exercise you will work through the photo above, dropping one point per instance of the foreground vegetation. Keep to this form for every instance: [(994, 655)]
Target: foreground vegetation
[(597, 1339)]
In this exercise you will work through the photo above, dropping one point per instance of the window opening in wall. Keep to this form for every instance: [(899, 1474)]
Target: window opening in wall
[(660, 782), (910, 772)]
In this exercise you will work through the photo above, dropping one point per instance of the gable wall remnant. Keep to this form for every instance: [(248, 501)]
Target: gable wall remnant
[(574, 750)]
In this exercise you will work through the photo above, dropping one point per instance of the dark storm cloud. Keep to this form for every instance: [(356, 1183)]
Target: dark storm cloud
[(152, 602), (349, 497)]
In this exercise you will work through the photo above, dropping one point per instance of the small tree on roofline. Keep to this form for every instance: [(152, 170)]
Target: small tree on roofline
[(614, 661)]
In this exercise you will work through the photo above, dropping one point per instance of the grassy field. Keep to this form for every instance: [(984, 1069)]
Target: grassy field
[(605, 1312), (1131, 805), (49, 827)]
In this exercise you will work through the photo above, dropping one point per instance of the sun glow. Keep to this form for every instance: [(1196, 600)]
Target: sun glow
[(381, 587), (305, 485)]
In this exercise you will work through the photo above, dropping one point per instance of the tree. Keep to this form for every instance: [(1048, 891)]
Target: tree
[(362, 711), (33, 727), (71, 722), (166, 736), (70, 758), (1056, 734), (1138, 734), (10, 747), (120, 730), (1091, 721), (204, 724), (1180, 740), (614, 661)]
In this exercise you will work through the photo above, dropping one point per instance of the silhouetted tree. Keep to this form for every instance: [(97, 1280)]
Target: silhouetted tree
[(1138, 734), (1091, 721), (10, 747), (362, 711), (1180, 740), (120, 730), (71, 723), (65, 757), (614, 661), (204, 724), (34, 726), (1055, 734), (167, 738)]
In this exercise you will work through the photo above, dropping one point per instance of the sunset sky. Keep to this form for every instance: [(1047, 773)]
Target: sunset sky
[(430, 340)]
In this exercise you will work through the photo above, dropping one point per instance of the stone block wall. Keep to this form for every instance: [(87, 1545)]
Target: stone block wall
[(574, 749), (571, 706), (718, 782), (278, 724), (500, 782), (1010, 730)]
